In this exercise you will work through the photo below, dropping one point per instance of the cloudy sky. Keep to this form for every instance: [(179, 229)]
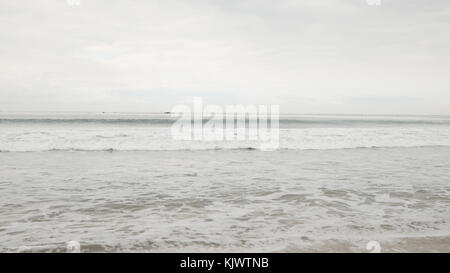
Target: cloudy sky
[(308, 56)]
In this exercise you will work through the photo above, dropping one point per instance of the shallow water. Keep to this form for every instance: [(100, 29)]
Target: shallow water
[(226, 200)]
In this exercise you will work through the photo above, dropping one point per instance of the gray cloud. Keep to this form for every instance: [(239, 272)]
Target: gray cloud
[(307, 56)]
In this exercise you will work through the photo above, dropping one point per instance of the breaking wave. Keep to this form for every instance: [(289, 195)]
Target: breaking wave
[(26, 134)]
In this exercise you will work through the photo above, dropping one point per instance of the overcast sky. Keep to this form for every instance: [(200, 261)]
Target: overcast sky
[(308, 56)]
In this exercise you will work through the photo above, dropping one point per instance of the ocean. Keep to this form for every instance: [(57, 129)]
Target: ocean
[(117, 182)]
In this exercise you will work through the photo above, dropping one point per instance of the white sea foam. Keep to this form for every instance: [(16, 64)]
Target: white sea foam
[(227, 200), (138, 133)]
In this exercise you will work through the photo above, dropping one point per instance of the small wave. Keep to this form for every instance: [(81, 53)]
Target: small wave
[(219, 149), (131, 150), (112, 137), (85, 121), (282, 121)]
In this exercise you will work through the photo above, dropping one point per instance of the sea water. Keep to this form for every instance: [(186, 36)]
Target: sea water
[(120, 183)]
